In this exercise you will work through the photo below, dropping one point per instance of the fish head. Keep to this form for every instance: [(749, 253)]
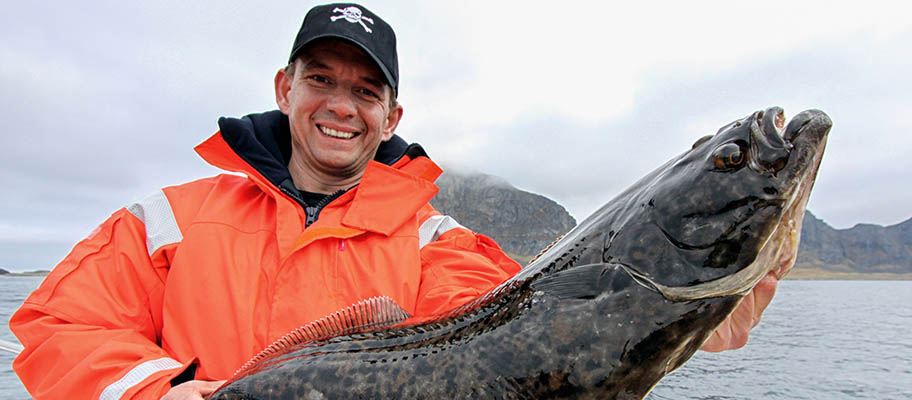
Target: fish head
[(716, 219)]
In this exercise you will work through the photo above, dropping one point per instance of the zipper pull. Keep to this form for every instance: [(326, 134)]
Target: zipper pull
[(311, 215), (342, 245)]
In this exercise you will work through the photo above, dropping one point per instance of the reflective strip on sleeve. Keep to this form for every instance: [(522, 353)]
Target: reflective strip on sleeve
[(156, 214), (137, 375), (435, 226)]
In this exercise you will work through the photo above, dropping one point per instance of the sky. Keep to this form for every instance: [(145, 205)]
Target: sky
[(102, 102)]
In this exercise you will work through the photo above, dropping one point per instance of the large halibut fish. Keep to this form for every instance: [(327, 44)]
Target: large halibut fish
[(619, 302)]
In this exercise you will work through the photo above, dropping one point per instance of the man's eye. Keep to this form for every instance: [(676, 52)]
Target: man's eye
[(368, 93), (318, 78)]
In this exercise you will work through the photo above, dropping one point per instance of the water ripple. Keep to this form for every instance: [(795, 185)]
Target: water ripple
[(818, 340)]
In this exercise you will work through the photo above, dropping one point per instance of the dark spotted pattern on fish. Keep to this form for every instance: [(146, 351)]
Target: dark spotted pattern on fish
[(622, 300)]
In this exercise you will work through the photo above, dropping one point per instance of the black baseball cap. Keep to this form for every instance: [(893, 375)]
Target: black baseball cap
[(358, 25)]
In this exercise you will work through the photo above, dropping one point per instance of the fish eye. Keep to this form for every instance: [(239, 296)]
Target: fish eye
[(735, 158), (728, 156), (701, 141)]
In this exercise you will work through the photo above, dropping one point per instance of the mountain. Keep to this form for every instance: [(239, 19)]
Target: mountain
[(523, 223), (863, 248)]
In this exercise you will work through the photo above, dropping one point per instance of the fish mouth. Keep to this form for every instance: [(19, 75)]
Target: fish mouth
[(769, 148), (805, 136)]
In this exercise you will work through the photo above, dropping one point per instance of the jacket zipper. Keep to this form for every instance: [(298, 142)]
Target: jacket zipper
[(313, 212), (323, 203)]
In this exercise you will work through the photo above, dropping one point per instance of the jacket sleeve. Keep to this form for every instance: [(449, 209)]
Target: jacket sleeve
[(91, 329), (458, 265)]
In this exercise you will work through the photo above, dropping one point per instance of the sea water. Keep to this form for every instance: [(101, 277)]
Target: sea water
[(13, 291), (817, 340)]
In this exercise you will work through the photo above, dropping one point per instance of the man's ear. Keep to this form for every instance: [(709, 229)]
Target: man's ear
[(282, 87), (392, 121)]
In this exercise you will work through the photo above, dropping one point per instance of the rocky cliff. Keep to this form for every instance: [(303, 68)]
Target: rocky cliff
[(522, 223), (863, 248)]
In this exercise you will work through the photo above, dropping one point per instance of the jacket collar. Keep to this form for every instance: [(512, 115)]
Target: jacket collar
[(395, 185), (389, 196)]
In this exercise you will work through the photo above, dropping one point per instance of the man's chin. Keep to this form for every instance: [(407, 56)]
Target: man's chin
[(343, 168)]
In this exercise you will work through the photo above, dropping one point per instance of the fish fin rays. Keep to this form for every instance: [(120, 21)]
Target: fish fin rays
[(369, 314), (581, 282), (375, 312)]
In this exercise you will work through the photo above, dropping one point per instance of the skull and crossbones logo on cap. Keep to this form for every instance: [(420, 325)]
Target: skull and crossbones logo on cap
[(352, 14)]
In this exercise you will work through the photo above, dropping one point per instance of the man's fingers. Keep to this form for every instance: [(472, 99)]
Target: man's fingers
[(740, 323), (192, 390), (211, 386), (734, 332), (763, 294), (716, 341)]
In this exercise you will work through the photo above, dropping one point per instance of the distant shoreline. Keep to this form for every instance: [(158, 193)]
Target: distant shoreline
[(29, 273), (816, 274)]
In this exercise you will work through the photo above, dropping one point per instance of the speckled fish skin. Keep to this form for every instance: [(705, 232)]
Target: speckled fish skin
[(598, 316)]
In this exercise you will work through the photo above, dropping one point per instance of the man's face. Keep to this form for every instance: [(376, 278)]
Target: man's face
[(338, 105)]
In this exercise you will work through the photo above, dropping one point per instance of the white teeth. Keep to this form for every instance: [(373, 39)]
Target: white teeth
[(337, 134)]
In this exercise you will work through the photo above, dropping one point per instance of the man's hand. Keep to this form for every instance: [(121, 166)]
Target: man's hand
[(734, 331), (194, 390)]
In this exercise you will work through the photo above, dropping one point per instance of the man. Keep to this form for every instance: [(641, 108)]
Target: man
[(173, 293)]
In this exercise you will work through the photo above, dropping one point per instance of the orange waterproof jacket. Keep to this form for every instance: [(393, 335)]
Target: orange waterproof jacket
[(208, 273)]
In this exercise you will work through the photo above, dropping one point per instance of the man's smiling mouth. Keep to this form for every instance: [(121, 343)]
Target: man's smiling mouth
[(336, 133)]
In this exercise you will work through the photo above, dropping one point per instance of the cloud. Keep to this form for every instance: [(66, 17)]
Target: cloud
[(860, 81), (103, 101)]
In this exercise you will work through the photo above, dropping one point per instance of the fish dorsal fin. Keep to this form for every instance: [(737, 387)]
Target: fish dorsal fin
[(581, 282), (373, 313)]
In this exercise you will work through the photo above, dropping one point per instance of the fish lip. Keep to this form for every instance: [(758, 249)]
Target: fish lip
[(769, 149), (771, 121), (807, 132), (808, 125), (772, 140)]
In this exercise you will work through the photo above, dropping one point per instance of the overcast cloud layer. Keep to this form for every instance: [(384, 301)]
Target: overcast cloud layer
[(102, 102)]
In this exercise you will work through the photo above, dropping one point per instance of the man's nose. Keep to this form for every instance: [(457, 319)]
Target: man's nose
[(341, 103)]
